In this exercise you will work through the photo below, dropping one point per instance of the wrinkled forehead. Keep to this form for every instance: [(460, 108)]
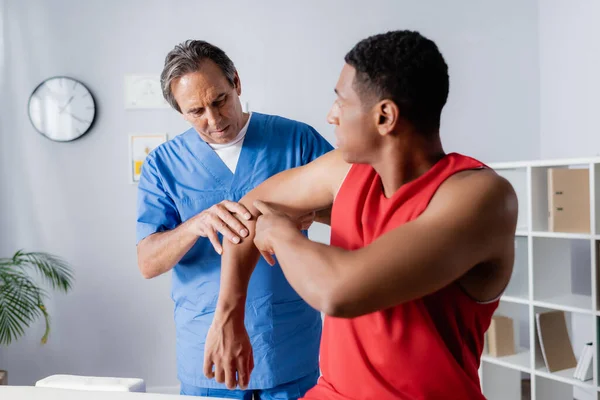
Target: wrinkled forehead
[(200, 88)]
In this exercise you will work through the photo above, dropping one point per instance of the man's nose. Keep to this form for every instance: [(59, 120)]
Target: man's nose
[(332, 116), (213, 118)]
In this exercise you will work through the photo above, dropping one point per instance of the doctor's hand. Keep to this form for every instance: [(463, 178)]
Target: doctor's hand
[(228, 349), (223, 218), (271, 224)]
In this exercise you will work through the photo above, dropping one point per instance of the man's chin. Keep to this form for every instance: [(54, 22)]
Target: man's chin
[(222, 137), (351, 157)]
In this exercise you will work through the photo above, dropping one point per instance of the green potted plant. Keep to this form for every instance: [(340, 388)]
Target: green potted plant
[(22, 298)]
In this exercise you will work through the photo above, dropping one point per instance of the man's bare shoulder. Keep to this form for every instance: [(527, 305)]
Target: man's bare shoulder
[(482, 193), (330, 168), (334, 158), (481, 177)]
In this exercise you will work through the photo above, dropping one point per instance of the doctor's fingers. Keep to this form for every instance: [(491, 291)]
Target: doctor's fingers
[(237, 208), (214, 240), (217, 224), (226, 216)]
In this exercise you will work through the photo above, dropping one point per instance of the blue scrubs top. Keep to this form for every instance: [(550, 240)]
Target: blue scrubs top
[(185, 176)]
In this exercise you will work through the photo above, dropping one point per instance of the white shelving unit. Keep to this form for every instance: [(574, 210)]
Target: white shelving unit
[(552, 271)]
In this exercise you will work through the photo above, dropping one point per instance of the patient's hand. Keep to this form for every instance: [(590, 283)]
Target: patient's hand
[(306, 221), (269, 225), (228, 348)]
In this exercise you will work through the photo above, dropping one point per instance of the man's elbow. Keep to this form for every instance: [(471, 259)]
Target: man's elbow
[(339, 310), (146, 270), (336, 303), (146, 267)]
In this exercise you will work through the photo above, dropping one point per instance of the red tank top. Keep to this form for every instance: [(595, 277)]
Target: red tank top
[(428, 348)]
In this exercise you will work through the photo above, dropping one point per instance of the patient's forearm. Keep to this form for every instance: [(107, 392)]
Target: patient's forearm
[(293, 191), (237, 264)]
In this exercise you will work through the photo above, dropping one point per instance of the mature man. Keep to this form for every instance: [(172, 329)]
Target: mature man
[(187, 197), (422, 242)]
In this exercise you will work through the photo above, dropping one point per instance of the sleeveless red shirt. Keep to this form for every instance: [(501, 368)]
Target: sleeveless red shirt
[(428, 348)]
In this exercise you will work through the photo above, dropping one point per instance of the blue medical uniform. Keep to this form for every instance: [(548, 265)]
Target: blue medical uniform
[(185, 176)]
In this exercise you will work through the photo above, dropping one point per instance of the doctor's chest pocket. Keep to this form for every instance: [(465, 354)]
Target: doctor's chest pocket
[(194, 204)]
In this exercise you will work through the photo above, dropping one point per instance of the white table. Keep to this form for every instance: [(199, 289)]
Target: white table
[(39, 393)]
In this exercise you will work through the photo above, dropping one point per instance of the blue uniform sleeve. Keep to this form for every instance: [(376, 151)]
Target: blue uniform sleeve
[(314, 145), (156, 211)]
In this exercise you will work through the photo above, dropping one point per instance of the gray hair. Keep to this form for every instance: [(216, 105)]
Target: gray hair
[(185, 58)]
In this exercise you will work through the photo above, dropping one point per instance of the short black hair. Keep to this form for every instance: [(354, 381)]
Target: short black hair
[(407, 68), (186, 57)]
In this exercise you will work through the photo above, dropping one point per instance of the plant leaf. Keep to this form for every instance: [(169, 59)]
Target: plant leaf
[(21, 299), (55, 270), (19, 305)]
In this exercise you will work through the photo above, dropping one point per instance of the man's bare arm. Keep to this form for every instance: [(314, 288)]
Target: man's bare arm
[(159, 252), (471, 220), (297, 191)]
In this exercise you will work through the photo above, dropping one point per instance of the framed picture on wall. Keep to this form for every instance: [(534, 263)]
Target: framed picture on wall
[(140, 145), (143, 91)]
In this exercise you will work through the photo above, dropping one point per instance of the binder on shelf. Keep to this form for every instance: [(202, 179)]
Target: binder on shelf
[(585, 370), (554, 341), (501, 336), (569, 200)]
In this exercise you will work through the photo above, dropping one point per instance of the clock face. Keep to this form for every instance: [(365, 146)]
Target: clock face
[(62, 109)]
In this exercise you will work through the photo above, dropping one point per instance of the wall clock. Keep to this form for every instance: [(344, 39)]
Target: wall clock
[(62, 109)]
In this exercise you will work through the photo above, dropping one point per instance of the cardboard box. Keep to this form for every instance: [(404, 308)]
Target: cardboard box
[(501, 336), (569, 200)]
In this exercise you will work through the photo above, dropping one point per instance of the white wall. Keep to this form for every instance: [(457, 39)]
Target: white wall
[(74, 199), (569, 78)]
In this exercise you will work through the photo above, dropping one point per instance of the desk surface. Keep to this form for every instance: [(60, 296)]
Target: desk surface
[(38, 393)]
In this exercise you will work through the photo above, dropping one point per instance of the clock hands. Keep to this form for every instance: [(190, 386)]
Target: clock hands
[(60, 109), (66, 105), (52, 92), (77, 118)]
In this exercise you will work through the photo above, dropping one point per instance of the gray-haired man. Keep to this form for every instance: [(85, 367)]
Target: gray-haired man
[(188, 194)]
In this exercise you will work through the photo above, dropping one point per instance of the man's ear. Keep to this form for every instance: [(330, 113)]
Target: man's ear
[(387, 116), (237, 84)]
